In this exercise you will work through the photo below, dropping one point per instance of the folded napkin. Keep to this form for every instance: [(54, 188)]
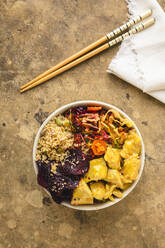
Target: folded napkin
[(141, 57)]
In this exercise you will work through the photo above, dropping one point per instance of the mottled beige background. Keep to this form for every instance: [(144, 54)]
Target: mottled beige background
[(35, 35)]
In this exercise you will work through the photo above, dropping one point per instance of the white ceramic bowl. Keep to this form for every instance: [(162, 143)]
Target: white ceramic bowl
[(107, 106)]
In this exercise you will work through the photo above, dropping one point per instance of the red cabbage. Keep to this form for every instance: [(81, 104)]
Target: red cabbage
[(76, 163), (79, 110), (75, 113), (66, 179)]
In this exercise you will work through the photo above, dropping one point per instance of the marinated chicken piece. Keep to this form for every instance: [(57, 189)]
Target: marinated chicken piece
[(117, 193), (98, 190), (111, 198), (97, 170), (131, 167), (132, 145), (126, 186), (125, 180), (82, 194), (112, 156), (114, 177), (109, 190), (127, 122)]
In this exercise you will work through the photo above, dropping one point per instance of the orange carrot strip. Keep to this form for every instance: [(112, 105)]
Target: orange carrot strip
[(94, 108)]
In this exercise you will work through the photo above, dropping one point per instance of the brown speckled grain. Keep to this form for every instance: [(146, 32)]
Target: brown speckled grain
[(35, 35)]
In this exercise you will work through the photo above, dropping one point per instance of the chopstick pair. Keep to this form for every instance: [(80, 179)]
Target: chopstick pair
[(84, 55)]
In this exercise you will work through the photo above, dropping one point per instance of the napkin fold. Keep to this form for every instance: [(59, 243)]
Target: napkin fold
[(141, 57)]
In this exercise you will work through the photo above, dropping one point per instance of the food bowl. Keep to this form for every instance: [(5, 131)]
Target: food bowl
[(62, 109)]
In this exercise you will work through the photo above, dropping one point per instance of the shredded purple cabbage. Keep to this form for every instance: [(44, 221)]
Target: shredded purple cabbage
[(79, 110), (76, 163), (67, 177), (76, 122)]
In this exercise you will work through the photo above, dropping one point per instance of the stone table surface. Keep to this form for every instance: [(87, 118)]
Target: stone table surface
[(35, 35)]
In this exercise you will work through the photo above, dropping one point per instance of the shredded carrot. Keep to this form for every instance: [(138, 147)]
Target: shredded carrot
[(120, 129), (90, 138), (94, 108), (99, 147)]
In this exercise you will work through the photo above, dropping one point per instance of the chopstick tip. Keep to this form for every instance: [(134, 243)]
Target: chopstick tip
[(21, 90)]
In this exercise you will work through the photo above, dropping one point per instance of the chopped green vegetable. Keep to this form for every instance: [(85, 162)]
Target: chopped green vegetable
[(59, 121)]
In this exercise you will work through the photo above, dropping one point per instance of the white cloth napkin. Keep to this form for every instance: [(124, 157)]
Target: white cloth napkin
[(141, 57)]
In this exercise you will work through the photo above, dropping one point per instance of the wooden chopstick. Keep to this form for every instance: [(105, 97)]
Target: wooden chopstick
[(138, 28), (102, 40)]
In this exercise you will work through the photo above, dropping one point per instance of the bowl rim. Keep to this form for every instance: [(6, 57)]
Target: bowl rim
[(60, 110)]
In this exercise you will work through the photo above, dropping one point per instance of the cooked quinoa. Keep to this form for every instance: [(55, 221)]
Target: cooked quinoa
[(54, 140)]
